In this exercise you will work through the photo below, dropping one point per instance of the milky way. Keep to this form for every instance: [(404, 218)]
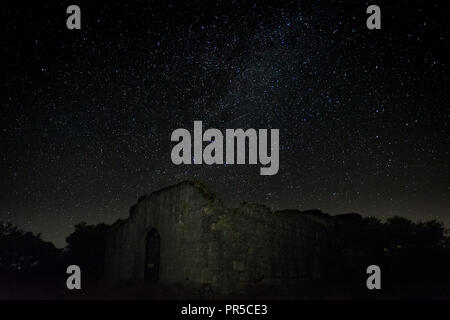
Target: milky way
[(86, 115)]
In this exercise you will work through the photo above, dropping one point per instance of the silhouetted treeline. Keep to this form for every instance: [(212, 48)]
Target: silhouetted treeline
[(86, 248), (29, 266), (24, 252), (414, 259), (33, 268)]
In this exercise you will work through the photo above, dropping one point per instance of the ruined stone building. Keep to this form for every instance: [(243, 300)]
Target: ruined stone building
[(184, 235)]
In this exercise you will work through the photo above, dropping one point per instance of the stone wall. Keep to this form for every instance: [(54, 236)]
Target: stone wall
[(204, 243), (188, 248), (260, 248)]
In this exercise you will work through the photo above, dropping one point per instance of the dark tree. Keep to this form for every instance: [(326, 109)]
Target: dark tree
[(86, 248), (24, 252), (414, 257)]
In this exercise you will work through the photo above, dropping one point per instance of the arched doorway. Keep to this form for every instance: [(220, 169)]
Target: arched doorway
[(152, 256)]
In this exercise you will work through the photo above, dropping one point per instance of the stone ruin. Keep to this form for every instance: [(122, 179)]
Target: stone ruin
[(184, 235)]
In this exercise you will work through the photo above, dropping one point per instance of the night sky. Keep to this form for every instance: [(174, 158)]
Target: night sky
[(86, 115)]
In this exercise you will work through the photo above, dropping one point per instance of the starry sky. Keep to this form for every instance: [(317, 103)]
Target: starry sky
[(86, 115)]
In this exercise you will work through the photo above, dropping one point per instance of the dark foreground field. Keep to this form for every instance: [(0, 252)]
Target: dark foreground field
[(51, 289)]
